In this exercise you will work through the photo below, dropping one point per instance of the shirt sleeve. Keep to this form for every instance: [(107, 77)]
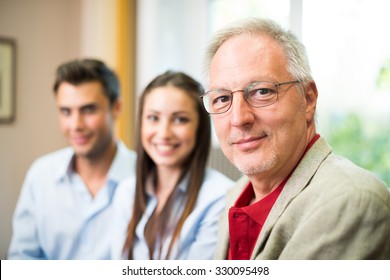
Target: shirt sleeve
[(122, 209), (25, 241), (205, 242), (204, 219)]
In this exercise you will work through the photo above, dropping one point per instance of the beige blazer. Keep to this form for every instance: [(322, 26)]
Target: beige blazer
[(329, 209)]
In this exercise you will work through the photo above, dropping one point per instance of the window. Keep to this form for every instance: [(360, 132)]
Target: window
[(349, 52), (224, 11), (350, 60)]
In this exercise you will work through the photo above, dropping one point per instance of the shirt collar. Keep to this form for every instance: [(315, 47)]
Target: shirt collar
[(248, 193), (260, 209), (117, 172), (65, 165)]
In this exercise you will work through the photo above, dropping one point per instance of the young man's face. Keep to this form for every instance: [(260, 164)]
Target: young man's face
[(86, 117)]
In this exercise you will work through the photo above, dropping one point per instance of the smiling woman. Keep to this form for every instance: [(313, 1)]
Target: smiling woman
[(171, 208), (169, 124)]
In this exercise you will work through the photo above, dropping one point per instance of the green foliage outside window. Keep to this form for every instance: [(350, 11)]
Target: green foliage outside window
[(383, 80), (366, 144)]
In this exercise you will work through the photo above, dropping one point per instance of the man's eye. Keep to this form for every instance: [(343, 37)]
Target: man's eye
[(65, 112), (261, 92), (89, 109), (221, 99)]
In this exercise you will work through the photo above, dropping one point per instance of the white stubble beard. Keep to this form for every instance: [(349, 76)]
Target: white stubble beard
[(252, 168)]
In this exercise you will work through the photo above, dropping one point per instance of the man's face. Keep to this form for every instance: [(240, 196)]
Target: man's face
[(265, 141), (86, 118)]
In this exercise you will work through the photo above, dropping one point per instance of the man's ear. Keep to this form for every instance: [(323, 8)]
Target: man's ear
[(311, 100), (116, 108)]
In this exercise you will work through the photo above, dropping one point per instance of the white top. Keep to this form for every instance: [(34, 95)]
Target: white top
[(198, 237)]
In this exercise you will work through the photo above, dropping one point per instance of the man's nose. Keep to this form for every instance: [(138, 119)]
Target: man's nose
[(77, 121), (241, 111)]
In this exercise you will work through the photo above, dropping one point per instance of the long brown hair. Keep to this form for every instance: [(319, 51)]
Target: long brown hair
[(194, 167)]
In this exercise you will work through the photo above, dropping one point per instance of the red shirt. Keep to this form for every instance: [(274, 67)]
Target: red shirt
[(246, 220)]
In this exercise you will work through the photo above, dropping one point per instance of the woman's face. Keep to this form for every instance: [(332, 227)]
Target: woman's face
[(169, 125)]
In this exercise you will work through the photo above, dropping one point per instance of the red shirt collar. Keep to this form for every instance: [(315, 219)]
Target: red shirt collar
[(246, 220)]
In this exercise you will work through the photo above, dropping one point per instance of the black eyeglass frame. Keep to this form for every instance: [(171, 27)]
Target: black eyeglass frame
[(245, 92)]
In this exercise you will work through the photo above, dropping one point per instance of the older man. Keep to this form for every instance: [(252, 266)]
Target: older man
[(298, 200)]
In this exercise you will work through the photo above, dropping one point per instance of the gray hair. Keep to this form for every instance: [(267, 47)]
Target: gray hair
[(297, 60)]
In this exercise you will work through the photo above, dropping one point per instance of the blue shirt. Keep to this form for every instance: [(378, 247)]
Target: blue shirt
[(198, 237), (57, 218)]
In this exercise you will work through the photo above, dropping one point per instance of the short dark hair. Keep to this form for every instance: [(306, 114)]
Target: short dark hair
[(81, 71)]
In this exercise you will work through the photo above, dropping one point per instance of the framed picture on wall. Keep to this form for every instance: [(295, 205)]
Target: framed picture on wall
[(7, 80)]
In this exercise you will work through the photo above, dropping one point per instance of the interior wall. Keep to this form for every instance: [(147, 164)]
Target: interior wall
[(98, 33), (47, 33)]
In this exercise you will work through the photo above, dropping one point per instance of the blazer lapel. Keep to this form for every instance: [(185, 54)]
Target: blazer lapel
[(298, 180)]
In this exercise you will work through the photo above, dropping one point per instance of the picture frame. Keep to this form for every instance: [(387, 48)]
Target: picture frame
[(7, 79)]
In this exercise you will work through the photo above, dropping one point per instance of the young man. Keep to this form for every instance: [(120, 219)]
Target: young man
[(65, 207), (298, 200)]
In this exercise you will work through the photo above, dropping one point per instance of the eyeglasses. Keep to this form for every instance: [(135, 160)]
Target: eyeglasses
[(257, 94)]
